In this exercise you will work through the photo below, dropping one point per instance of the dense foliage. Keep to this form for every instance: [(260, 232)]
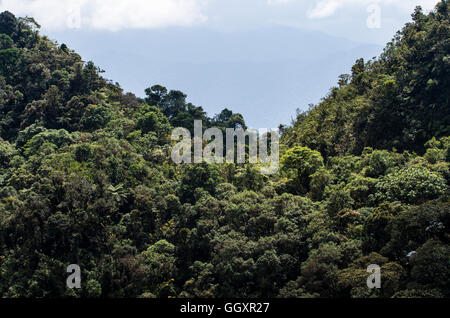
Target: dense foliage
[(86, 178), (398, 101)]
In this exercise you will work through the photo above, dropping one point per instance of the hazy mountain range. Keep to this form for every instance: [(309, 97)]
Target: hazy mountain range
[(265, 74)]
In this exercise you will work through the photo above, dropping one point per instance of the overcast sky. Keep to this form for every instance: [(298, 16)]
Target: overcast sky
[(345, 18)]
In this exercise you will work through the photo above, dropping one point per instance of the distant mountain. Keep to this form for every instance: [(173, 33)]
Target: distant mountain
[(263, 74)]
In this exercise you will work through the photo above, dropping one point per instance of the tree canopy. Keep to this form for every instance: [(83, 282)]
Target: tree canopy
[(86, 178)]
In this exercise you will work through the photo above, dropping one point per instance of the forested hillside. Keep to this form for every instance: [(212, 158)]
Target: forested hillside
[(86, 178), (397, 101)]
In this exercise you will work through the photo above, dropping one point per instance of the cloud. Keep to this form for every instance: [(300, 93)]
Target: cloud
[(327, 8), (112, 15), (279, 2)]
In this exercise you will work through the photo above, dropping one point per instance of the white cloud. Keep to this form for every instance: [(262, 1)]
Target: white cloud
[(110, 15), (327, 8), (279, 2)]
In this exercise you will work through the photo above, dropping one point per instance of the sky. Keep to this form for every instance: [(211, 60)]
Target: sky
[(273, 47), (337, 17)]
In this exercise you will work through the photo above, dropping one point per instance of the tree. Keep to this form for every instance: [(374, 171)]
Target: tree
[(96, 116), (198, 177), (431, 266), (304, 162), (5, 42), (411, 185), (8, 23), (156, 95)]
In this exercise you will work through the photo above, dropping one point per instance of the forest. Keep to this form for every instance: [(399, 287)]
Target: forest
[(86, 178)]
